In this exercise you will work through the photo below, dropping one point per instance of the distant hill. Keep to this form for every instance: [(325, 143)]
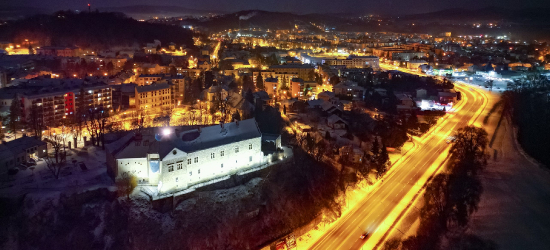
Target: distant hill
[(17, 12), (271, 20), (540, 15), (92, 30), (149, 11)]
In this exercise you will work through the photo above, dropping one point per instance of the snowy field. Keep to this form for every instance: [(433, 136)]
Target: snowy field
[(73, 177), (513, 211)]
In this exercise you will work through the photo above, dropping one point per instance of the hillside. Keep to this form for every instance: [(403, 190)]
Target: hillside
[(92, 30), (270, 20), (149, 11), (485, 14)]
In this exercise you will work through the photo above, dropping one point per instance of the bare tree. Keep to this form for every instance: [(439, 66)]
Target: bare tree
[(34, 120), (55, 160), (126, 184)]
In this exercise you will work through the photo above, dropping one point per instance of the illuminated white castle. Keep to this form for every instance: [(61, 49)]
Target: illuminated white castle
[(173, 160)]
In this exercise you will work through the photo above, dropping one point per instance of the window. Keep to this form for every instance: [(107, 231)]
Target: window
[(179, 165), (199, 171), (191, 173), (250, 146), (222, 153), (176, 179), (250, 158), (170, 168), (196, 159), (222, 165), (188, 161), (212, 155), (237, 150)]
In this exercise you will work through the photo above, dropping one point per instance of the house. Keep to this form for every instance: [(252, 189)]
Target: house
[(20, 150), (236, 102), (446, 97), (313, 104), (261, 98), (331, 108), (335, 122), (172, 160), (215, 93), (326, 96), (349, 89)]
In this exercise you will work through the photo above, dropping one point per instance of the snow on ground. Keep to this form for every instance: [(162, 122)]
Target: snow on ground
[(72, 178), (513, 211)]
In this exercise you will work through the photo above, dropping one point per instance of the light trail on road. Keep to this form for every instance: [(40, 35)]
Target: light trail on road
[(374, 211)]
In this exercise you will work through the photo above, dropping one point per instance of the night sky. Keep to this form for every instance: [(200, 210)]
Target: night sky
[(298, 6)]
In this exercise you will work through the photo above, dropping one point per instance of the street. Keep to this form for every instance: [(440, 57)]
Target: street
[(371, 214)]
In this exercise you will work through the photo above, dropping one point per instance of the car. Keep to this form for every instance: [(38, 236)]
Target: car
[(364, 236), (450, 139)]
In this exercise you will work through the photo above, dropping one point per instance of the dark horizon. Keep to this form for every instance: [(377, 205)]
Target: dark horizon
[(392, 7)]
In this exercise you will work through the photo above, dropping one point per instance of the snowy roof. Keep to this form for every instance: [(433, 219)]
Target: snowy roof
[(19, 145), (292, 66), (261, 95), (211, 136), (334, 119), (192, 140), (328, 105), (327, 93), (313, 103), (152, 87)]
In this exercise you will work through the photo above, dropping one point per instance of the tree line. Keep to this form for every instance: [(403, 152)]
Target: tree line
[(451, 197)]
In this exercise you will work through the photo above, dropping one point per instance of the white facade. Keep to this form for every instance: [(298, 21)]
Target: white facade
[(174, 161)]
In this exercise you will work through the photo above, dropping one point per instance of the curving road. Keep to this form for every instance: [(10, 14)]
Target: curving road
[(370, 214)]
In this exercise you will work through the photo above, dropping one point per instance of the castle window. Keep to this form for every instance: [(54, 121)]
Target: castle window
[(222, 165), (176, 179), (236, 149), (222, 153), (250, 158), (196, 159), (250, 146), (180, 166), (199, 171), (191, 173), (212, 155), (170, 168), (189, 161)]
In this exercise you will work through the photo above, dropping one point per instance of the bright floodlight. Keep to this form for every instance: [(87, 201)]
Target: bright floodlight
[(166, 131)]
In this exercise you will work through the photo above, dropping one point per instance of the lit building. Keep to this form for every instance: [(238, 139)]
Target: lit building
[(154, 98), (57, 51), (303, 71), (296, 86), (173, 160), (350, 89), (356, 62), (148, 79), (57, 99)]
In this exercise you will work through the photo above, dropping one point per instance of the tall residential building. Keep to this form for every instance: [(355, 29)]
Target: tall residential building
[(303, 71), (58, 99), (154, 99), (356, 62)]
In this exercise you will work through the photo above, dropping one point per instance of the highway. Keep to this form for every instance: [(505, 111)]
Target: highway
[(371, 214)]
